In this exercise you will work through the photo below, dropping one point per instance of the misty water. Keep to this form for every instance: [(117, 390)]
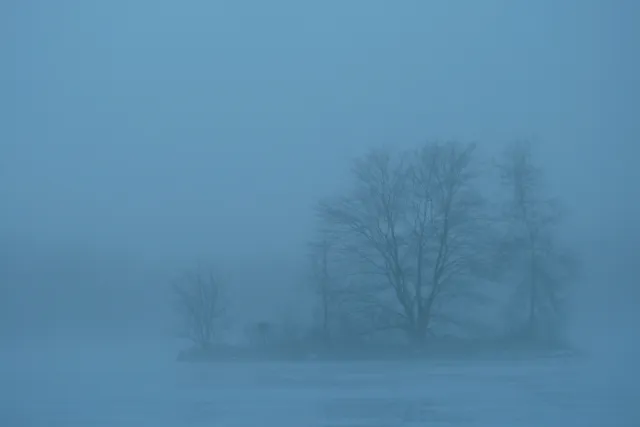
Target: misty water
[(100, 384)]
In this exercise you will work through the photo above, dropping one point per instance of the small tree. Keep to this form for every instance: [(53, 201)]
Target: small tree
[(532, 219), (199, 305), (323, 285)]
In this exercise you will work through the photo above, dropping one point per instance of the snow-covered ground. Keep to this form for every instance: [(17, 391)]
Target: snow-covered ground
[(126, 385)]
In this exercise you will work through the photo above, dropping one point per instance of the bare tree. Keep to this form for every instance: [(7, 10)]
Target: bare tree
[(411, 224), (340, 303), (323, 285), (199, 303), (533, 218)]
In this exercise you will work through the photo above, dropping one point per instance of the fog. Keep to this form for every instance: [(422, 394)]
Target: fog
[(139, 138)]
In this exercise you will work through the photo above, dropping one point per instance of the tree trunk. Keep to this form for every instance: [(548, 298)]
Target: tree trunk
[(326, 332), (533, 297), (418, 330), (325, 295)]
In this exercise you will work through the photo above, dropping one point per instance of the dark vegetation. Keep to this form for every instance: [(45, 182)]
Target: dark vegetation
[(438, 251)]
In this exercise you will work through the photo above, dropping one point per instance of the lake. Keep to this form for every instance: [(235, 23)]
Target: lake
[(78, 384)]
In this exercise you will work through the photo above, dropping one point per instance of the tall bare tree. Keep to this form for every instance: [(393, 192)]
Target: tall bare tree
[(198, 295), (533, 218), (323, 285), (411, 223)]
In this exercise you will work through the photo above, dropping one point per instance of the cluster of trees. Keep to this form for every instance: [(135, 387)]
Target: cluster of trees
[(424, 242)]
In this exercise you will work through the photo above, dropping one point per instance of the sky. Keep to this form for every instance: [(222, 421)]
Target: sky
[(168, 132)]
